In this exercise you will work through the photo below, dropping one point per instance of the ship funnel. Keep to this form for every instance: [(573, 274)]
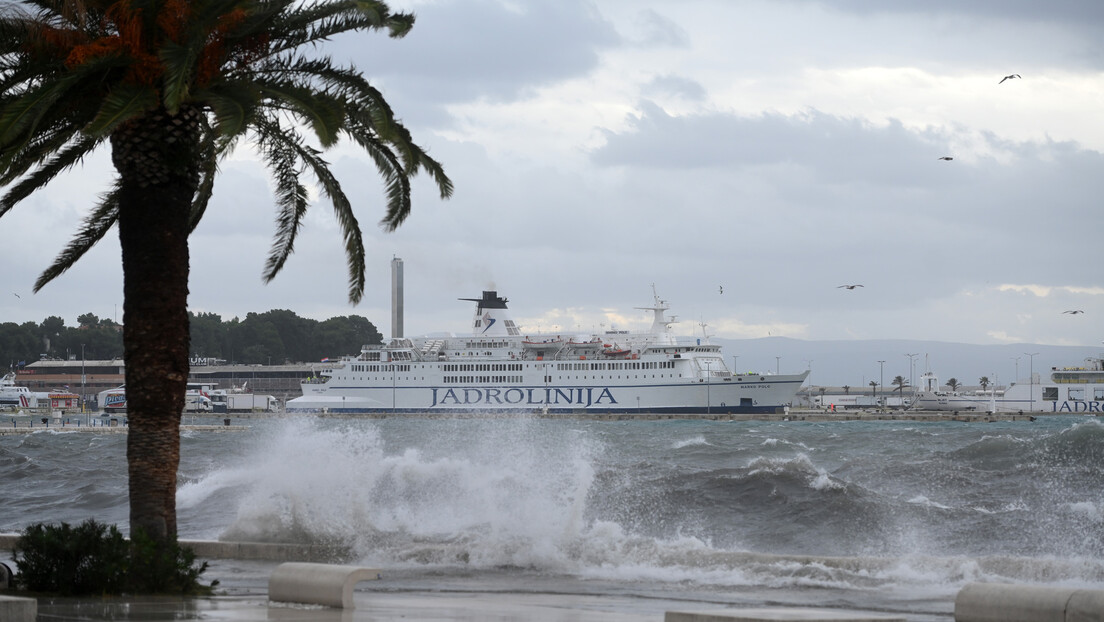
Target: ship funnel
[(491, 317)]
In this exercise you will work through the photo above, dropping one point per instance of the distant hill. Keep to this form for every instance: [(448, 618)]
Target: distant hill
[(855, 363)]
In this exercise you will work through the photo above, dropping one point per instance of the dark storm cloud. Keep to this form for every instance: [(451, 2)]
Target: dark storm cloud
[(483, 49)]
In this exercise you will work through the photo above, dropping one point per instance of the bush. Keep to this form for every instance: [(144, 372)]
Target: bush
[(92, 558)]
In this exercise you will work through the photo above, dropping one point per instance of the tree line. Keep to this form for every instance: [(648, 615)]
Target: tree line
[(270, 338)]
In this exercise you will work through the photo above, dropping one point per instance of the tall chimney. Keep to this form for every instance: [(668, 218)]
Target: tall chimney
[(396, 298)]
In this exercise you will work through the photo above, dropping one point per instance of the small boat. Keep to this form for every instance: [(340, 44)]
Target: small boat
[(585, 344), (15, 396), (551, 343)]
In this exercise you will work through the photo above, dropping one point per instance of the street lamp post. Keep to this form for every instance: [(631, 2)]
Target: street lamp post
[(1031, 357), (912, 368), (82, 379), (881, 370)]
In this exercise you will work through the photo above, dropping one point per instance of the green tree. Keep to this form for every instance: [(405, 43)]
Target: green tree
[(984, 382), (207, 335), (171, 87), (87, 320), (339, 336), (953, 384)]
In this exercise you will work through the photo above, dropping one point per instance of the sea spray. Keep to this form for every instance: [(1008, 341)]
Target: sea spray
[(871, 514)]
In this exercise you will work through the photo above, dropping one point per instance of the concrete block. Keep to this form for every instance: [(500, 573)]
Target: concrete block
[(18, 609), (317, 584), (999, 602), (1085, 606), (778, 614)]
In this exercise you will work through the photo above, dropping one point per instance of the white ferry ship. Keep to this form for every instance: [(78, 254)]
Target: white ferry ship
[(498, 369), (1066, 390)]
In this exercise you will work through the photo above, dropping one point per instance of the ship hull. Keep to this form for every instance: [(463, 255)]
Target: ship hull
[(733, 396)]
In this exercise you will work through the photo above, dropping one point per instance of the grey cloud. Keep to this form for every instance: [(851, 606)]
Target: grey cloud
[(677, 86), (466, 51), (1065, 11), (661, 30), (837, 148)]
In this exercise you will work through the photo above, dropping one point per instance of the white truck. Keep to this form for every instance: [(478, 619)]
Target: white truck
[(244, 402)]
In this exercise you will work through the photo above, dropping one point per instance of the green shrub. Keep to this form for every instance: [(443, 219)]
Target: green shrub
[(92, 558)]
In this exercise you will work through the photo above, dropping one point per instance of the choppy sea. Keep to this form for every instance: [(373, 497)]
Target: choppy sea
[(886, 516)]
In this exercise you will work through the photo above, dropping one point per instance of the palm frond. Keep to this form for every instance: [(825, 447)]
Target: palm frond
[(233, 103), (19, 159), (20, 115), (343, 210), (179, 62), (96, 225), (125, 102), (292, 198), (322, 111), (64, 159), (210, 149)]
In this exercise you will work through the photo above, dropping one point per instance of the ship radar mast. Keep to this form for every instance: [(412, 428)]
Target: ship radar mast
[(660, 323)]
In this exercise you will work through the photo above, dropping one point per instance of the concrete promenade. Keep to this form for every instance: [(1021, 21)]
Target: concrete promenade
[(243, 570), (28, 425)]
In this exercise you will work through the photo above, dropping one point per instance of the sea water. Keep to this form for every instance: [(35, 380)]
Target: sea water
[(888, 516)]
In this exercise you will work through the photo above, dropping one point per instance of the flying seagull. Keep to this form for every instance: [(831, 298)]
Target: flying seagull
[(849, 286), (16, 295), (1074, 311), (946, 158), (1015, 75), (722, 288)]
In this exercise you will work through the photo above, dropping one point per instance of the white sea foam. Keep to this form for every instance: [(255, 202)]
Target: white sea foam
[(690, 442)]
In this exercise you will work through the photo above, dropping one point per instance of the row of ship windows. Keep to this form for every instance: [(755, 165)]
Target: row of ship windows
[(483, 379), (583, 366), (482, 367), (628, 365), (1077, 394), (390, 367), (519, 379), (1075, 379)]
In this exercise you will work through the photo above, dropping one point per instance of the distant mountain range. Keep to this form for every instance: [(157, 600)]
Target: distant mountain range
[(855, 363)]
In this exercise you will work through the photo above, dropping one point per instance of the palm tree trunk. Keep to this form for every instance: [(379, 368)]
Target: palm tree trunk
[(156, 161)]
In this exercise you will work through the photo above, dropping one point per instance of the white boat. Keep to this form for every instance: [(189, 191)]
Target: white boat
[(1069, 390), (498, 369), (15, 396)]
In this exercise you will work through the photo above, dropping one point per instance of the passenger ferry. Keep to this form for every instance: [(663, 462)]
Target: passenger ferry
[(498, 369), (1066, 390)]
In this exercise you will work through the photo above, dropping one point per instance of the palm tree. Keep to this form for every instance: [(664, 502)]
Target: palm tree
[(901, 384), (172, 87), (874, 384), (953, 384), (984, 382)]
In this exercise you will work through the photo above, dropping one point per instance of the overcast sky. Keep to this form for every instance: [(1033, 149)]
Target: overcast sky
[(775, 149)]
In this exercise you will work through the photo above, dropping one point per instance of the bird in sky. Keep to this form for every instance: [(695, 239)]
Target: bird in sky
[(722, 288), (1073, 311), (850, 286), (16, 295), (946, 158), (1015, 75)]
